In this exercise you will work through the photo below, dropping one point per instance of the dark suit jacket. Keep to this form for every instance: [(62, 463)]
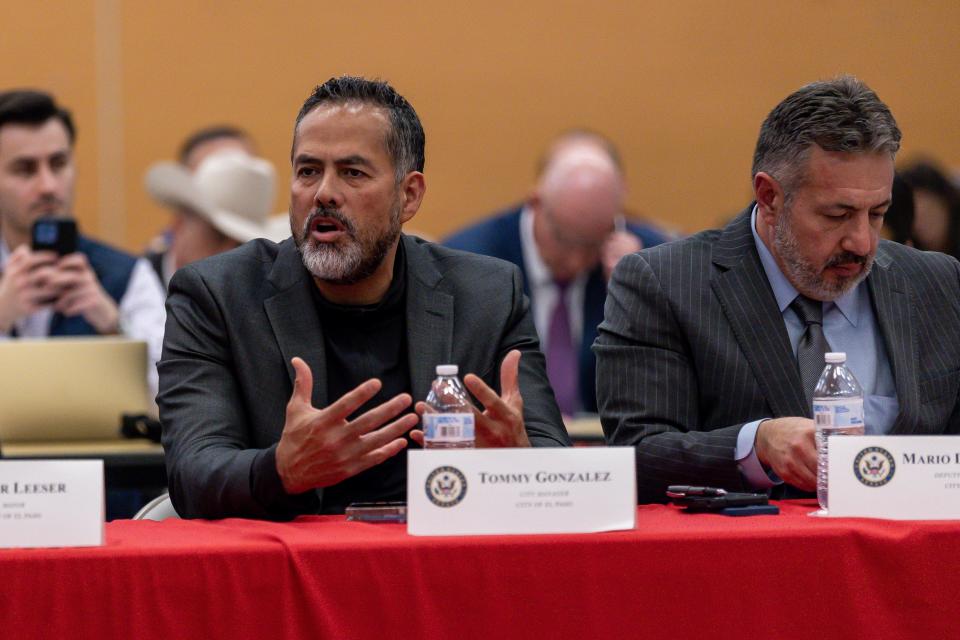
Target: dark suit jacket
[(235, 320), (499, 237), (693, 346)]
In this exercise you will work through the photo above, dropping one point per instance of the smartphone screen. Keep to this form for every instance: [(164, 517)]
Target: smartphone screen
[(54, 234)]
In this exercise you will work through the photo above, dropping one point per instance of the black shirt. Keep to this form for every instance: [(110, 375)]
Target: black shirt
[(363, 342)]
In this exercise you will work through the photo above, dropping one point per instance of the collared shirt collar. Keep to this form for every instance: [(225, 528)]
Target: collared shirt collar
[(538, 274), (848, 304)]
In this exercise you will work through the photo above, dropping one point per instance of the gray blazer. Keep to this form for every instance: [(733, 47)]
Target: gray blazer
[(234, 321), (693, 346)]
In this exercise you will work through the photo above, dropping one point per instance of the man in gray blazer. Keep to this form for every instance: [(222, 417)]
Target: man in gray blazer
[(289, 369), (698, 352)]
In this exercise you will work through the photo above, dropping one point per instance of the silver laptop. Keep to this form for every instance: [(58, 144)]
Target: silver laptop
[(70, 389)]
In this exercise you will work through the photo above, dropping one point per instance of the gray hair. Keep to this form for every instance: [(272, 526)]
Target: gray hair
[(405, 140), (842, 114)]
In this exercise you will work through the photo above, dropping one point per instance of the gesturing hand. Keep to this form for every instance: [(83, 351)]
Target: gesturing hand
[(501, 423), (321, 447), (787, 446)]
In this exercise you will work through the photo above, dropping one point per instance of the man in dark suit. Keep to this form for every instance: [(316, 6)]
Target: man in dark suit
[(566, 239), (702, 352), (288, 370)]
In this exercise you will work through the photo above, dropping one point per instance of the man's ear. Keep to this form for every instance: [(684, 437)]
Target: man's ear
[(769, 196), (412, 189)]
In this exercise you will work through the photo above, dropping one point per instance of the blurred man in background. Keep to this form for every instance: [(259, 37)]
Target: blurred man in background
[(95, 290), (191, 236), (567, 238), (226, 201)]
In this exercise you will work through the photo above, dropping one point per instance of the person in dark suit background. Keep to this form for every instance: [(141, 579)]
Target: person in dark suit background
[(710, 347), (288, 369), (566, 238)]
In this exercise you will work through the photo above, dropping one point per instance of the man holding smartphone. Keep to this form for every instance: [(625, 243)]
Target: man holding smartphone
[(93, 290)]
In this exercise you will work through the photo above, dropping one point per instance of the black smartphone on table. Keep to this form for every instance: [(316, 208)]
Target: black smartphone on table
[(716, 500)]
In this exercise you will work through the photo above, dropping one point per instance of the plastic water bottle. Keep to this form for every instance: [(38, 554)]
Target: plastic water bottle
[(837, 411), (448, 419)]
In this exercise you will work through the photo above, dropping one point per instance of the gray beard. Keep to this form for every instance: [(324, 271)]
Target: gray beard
[(345, 262), (805, 276)]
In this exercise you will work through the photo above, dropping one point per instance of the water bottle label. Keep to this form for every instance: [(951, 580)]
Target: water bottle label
[(838, 413), (448, 427)]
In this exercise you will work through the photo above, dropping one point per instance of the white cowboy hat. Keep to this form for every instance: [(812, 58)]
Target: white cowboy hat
[(231, 190)]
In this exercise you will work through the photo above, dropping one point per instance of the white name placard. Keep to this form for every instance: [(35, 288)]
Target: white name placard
[(51, 503), (895, 477), (542, 490)]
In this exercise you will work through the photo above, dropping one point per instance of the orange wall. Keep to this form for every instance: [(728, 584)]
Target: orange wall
[(682, 86)]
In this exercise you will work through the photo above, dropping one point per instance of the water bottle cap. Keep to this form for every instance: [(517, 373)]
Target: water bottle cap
[(835, 357), (447, 369)]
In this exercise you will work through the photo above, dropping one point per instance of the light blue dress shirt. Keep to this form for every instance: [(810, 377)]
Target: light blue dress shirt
[(849, 325)]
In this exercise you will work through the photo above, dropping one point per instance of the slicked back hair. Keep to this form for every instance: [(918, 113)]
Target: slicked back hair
[(405, 140), (842, 114), (31, 107)]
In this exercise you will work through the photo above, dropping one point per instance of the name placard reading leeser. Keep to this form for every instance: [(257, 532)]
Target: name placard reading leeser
[(500, 491), (895, 477), (51, 503)]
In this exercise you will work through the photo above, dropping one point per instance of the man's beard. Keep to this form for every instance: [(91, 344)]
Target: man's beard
[(807, 277), (354, 257)]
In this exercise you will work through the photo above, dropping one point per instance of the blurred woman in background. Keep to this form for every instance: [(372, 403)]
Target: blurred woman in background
[(936, 203)]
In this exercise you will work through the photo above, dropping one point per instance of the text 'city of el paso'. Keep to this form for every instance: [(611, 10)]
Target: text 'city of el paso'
[(502, 491)]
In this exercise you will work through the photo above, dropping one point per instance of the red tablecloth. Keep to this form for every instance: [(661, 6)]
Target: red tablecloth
[(676, 575)]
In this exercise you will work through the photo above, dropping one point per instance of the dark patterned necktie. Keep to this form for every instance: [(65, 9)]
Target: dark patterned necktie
[(813, 344)]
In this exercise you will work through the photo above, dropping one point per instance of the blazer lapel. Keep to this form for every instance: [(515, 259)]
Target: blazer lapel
[(429, 318), (748, 302), (889, 292), (294, 318)]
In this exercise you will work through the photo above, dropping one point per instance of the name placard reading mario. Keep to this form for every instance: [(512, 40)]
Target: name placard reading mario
[(895, 477), (51, 503), (500, 491)]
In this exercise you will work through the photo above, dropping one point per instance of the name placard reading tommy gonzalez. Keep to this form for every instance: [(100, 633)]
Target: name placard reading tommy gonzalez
[(499, 491), (895, 477), (51, 503)]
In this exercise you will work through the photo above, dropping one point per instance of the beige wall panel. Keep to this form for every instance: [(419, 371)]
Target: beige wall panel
[(51, 46), (682, 86)]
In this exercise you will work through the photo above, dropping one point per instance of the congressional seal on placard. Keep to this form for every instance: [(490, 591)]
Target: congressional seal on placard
[(446, 486), (874, 466)]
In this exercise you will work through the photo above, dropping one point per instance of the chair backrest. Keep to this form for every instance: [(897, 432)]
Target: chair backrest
[(160, 508)]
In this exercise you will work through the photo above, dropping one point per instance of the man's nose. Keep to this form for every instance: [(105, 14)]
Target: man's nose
[(47, 179), (328, 193), (859, 237)]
